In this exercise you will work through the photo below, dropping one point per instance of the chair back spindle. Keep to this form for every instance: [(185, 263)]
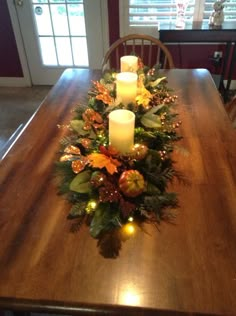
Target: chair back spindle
[(150, 49)]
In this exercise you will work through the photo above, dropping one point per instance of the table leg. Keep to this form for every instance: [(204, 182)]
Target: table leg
[(222, 88), (231, 67)]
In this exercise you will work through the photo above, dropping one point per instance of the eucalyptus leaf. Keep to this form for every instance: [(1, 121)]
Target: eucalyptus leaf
[(98, 222), (81, 183), (78, 126), (104, 219), (151, 120), (155, 109)]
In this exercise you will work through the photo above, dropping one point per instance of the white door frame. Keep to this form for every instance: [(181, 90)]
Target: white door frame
[(26, 79)]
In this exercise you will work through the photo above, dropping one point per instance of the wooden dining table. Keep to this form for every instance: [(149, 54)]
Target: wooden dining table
[(188, 267)]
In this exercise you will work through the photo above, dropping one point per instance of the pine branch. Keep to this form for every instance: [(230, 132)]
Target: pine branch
[(77, 210), (160, 203)]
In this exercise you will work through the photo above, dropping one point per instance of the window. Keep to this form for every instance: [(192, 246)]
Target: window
[(147, 15)]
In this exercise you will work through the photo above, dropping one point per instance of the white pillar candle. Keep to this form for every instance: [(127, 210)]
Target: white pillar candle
[(121, 130), (126, 87), (128, 63)]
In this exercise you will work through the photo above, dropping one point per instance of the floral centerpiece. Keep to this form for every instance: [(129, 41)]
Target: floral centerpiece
[(106, 186)]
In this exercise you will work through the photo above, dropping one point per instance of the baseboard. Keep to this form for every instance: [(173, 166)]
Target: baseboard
[(14, 82)]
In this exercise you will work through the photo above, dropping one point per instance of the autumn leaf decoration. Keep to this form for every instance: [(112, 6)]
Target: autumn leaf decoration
[(103, 93), (100, 161)]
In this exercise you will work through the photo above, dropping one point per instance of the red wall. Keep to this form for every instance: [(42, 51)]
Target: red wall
[(196, 56), (9, 59), (113, 20)]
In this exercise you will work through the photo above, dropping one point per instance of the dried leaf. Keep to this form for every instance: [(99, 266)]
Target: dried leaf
[(79, 164), (71, 149), (102, 161)]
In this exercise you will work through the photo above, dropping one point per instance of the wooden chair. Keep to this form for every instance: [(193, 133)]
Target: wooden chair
[(151, 50)]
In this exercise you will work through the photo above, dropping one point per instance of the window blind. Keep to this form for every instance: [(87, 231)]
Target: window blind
[(149, 13), (146, 16)]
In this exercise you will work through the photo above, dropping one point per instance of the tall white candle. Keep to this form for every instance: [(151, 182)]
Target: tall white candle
[(121, 130), (126, 87), (128, 64)]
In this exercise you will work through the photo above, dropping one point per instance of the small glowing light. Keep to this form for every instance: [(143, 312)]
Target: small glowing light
[(91, 206), (129, 229), (130, 219)]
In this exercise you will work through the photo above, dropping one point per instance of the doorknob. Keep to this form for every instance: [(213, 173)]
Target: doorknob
[(19, 3)]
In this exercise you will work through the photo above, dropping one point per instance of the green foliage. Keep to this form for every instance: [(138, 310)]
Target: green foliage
[(158, 172), (78, 127), (105, 218), (77, 210), (65, 173), (159, 203), (150, 119), (81, 182)]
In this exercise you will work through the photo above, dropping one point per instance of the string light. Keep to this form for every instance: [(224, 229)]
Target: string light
[(91, 206), (129, 229)]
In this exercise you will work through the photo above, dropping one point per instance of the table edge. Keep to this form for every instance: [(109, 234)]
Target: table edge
[(45, 306)]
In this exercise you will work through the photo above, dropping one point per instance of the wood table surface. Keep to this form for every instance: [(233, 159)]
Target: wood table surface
[(188, 268)]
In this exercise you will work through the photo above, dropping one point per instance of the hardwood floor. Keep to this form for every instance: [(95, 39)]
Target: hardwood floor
[(17, 105)]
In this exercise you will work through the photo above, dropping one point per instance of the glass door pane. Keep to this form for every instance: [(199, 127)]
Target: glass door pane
[(61, 32)]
